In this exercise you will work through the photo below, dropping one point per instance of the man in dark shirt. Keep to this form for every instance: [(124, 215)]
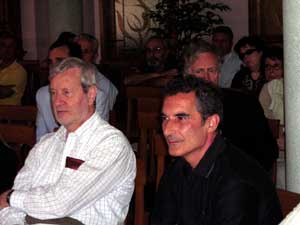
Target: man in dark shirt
[(244, 123), (212, 181)]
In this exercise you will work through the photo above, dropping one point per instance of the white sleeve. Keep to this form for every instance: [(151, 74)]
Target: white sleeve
[(99, 175)]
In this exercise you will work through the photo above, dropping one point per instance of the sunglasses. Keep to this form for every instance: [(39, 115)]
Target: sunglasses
[(248, 52)]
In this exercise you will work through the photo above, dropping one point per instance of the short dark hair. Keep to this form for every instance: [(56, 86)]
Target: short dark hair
[(274, 52), (225, 30), (74, 48), (253, 41), (209, 97), (193, 49)]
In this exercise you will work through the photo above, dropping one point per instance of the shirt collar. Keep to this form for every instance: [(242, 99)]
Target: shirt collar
[(85, 127), (206, 164)]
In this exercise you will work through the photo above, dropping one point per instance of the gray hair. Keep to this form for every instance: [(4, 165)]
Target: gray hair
[(90, 38), (87, 71), (192, 50)]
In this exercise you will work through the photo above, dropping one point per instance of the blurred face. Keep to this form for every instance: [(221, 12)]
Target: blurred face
[(156, 54), (71, 106), (8, 49), (58, 54), (87, 50), (185, 131), (222, 43), (251, 57), (273, 69), (206, 66)]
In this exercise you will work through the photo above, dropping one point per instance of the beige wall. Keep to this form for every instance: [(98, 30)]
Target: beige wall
[(35, 14)]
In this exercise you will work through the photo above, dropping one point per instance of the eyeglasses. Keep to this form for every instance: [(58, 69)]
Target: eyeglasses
[(275, 67), (248, 52), (153, 50)]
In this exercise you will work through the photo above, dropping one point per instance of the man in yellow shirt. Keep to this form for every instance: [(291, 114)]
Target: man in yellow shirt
[(13, 76)]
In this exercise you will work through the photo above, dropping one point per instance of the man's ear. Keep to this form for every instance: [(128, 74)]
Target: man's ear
[(213, 122), (92, 93)]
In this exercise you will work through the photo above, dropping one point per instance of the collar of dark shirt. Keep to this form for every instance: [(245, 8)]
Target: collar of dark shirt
[(205, 166)]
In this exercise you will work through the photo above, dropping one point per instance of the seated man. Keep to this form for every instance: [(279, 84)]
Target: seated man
[(222, 40), (85, 171), (89, 47), (45, 121), (158, 65), (244, 122), (212, 181), (13, 77)]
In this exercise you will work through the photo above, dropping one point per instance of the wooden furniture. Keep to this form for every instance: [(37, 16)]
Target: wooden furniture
[(17, 129), (18, 114), (288, 200), (132, 94), (265, 20)]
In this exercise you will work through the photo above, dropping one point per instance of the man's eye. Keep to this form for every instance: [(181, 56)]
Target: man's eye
[(183, 117), (163, 118), (67, 93)]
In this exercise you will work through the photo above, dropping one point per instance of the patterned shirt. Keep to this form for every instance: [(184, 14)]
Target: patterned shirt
[(95, 187)]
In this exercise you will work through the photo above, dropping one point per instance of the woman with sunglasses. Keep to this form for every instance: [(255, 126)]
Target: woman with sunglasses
[(251, 77)]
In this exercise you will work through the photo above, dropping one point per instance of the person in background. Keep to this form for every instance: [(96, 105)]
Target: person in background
[(230, 64), (66, 36), (211, 181), (45, 122), (158, 64), (89, 47), (244, 122), (84, 172), (13, 77), (251, 77), (271, 96)]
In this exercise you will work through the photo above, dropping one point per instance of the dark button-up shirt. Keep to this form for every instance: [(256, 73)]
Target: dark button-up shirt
[(227, 187)]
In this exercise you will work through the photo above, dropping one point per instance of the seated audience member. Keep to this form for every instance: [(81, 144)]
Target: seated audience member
[(66, 36), (222, 39), (13, 77), (212, 181), (45, 122), (158, 64), (244, 122), (83, 172), (89, 47), (251, 77), (271, 96)]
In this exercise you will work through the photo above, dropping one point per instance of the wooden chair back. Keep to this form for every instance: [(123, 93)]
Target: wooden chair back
[(32, 68), (139, 193), (18, 114), (161, 153), (288, 200), (19, 137), (17, 129), (132, 94)]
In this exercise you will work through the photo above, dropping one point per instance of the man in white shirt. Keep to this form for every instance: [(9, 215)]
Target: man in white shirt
[(106, 95), (84, 171), (222, 40)]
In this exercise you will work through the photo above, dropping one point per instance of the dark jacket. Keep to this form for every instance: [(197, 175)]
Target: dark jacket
[(226, 188), (246, 126)]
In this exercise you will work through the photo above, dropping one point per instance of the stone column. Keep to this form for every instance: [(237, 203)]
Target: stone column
[(291, 31), (64, 15)]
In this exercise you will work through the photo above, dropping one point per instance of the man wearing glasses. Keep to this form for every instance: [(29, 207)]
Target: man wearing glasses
[(158, 63)]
